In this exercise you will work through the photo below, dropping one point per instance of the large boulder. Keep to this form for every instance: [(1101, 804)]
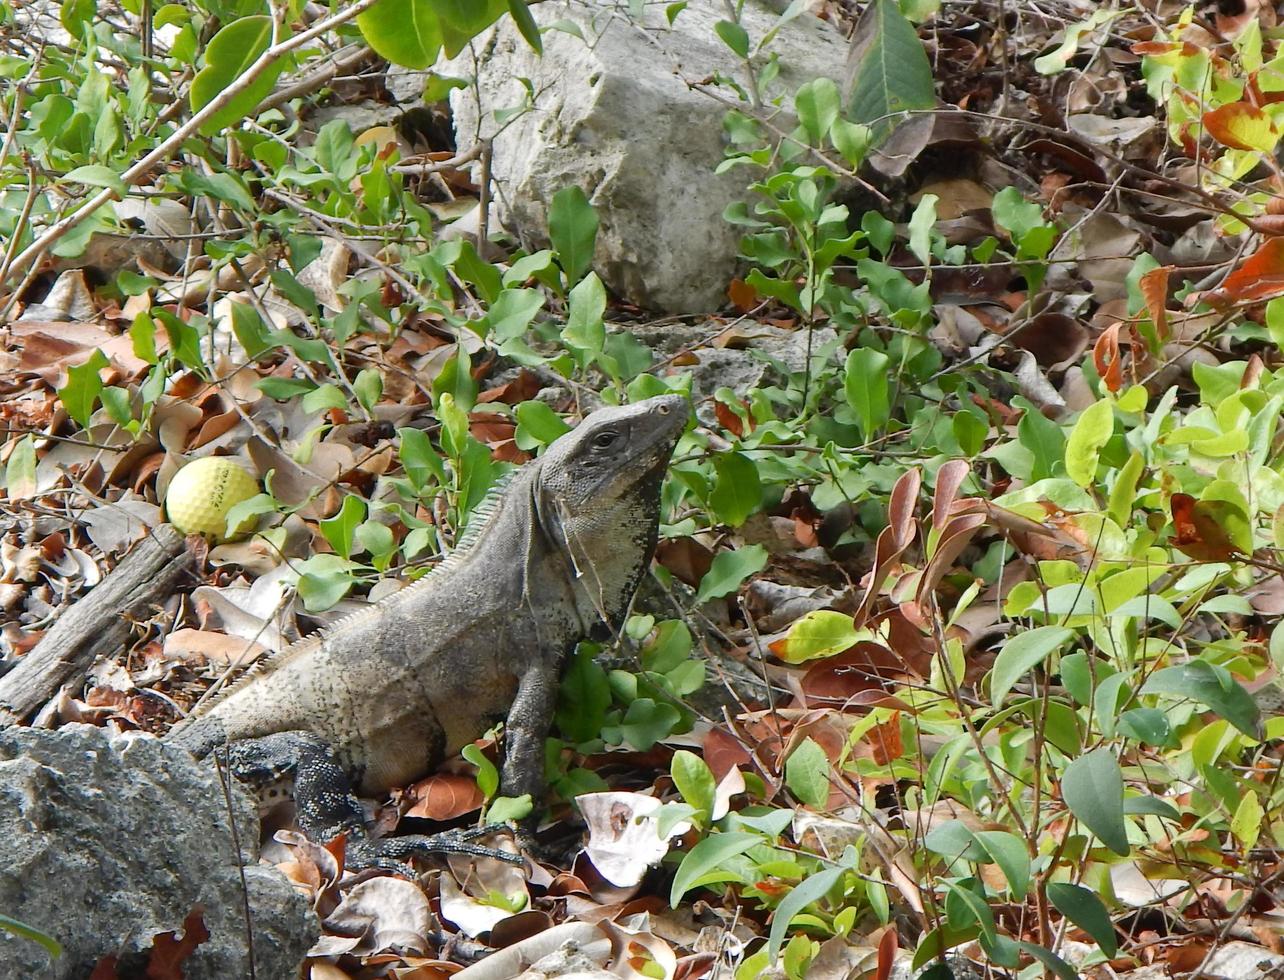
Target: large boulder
[(109, 843), (614, 113)]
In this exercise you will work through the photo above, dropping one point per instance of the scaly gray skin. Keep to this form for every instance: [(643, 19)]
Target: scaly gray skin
[(382, 697)]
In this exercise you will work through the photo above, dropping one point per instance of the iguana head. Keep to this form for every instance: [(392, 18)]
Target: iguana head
[(614, 453)]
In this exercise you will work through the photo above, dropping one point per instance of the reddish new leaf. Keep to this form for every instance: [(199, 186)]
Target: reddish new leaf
[(445, 796)]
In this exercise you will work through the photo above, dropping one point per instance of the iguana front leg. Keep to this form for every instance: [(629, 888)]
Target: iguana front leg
[(327, 806), (525, 731)]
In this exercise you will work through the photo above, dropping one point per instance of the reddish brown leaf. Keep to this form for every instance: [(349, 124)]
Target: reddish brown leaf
[(888, 944), (743, 296), (1258, 276), (1105, 357), (886, 740), (1154, 290), (522, 388), (948, 480), (445, 796), (169, 952), (1198, 532), (728, 419), (724, 752)]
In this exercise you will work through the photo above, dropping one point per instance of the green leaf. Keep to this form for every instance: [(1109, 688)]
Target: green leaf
[(1021, 654), (325, 579), (526, 25), (729, 570), (585, 330), (647, 721), (866, 384), (406, 32), (1092, 787), (83, 387), (810, 890), (1009, 853), (572, 229), (585, 698), (819, 633), (694, 780), (1053, 962), (1085, 909), (807, 774), (1213, 686), (340, 529), (368, 386), (538, 425), (231, 51), (20, 471), (1246, 824), (1089, 436), (920, 228), (817, 104), (511, 313), (708, 855), (487, 774), (737, 491), (250, 330), (733, 36), (96, 175), (893, 74), (509, 809)]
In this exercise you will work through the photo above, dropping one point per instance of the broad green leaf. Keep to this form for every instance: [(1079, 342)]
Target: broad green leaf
[(526, 25), (585, 330), (1092, 787), (231, 51), (340, 529), (807, 774), (406, 32), (866, 384), (819, 633), (20, 470), (487, 774), (1246, 824), (538, 425), (368, 386), (1021, 654), (509, 809), (647, 721), (693, 780), (804, 893), (1058, 59), (1090, 434), (1085, 910), (737, 491), (83, 387), (893, 73), (921, 223), (733, 36), (708, 855), (96, 175), (1053, 962), (585, 698), (1009, 853), (1213, 686), (729, 571), (572, 229), (817, 104), (511, 313)]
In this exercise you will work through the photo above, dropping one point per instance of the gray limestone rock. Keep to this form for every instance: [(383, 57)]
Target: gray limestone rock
[(110, 842), (613, 112)]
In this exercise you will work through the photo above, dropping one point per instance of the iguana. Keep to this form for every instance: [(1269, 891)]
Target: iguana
[(380, 698)]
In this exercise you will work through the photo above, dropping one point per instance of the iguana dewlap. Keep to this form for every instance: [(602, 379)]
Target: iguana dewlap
[(383, 696)]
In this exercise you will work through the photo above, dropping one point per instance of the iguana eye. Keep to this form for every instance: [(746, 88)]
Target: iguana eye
[(605, 440)]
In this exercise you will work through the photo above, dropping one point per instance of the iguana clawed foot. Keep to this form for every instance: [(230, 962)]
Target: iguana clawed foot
[(394, 853)]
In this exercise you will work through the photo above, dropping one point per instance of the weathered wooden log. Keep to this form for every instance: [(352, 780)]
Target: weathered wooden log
[(97, 625)]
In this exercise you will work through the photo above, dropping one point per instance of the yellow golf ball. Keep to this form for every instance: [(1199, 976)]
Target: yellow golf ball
[(203, 491)]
